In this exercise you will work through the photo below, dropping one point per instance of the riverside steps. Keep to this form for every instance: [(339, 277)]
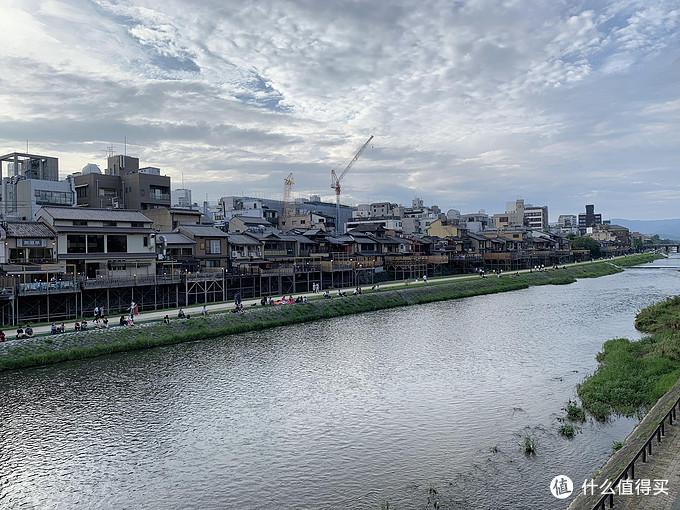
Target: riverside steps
[(41, 350)]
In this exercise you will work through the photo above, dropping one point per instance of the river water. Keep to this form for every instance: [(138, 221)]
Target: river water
[(343, 413)]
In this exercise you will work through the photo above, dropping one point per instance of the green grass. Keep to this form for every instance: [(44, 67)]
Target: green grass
[(617, 445), (568, 430), (74, 346), (529, 445), (633, 375), (575, 412)]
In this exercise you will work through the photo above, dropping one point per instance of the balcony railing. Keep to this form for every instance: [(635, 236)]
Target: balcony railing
[(47, 287), (157, 195)]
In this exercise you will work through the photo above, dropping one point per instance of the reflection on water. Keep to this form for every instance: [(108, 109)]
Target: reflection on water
[(343, 413)]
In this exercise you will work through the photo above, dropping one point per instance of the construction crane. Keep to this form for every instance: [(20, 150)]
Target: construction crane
[(287, 195), (336, 179)]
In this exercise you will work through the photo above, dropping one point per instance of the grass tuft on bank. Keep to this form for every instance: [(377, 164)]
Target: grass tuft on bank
[(633, 375)]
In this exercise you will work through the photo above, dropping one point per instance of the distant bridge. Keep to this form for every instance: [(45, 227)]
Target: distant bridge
[(667, 247)]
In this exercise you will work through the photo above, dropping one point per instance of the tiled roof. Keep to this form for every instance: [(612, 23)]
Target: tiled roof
[(175, 238), (202, 230), (249, 220), (27, 229), (242, 239)]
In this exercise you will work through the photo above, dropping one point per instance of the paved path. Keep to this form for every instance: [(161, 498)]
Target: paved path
[(664, 464), (221, 307)]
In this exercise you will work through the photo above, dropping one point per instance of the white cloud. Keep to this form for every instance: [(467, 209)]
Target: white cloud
[(472, 102)]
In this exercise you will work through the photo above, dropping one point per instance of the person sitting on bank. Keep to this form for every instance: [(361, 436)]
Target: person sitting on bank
[(105, 322), (181, 314), (326, 294), (166, 320), (76, 326), (122, 321), (204, 311), (2, 336), (28, 331), (83, 325), (20, 333), (53, 329), (263, 301)]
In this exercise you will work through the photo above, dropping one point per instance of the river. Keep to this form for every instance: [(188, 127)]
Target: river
[(343, 413)]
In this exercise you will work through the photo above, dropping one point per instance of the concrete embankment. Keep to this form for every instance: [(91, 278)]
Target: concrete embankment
[(71, 346)]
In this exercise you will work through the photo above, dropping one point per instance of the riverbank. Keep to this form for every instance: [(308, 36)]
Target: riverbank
[(633, 375), (71, 346)]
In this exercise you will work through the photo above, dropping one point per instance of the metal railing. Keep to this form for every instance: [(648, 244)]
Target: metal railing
[(644, 452), (47, 287)]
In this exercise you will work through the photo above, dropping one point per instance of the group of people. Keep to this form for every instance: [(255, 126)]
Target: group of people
[(56, 329), (26, 332), (126, 320), (270, 301)]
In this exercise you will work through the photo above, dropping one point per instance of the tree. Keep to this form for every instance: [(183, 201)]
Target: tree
[(586, 243)]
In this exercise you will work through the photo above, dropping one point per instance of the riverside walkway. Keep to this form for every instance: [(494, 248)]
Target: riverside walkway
[(664, 465), (158, 315)]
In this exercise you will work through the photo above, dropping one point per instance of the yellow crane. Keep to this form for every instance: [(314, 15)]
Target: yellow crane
[(336, 179)]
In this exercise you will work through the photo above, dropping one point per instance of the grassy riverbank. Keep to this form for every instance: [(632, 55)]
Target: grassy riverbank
[(72, 346), (633, 375)]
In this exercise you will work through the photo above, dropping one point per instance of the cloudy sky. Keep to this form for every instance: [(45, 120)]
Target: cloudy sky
[(472, 102)]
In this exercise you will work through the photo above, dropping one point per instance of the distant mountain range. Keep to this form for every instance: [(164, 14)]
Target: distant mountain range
[(665, 229)]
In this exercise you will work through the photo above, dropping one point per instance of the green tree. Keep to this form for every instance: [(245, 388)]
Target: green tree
[(586, 243)]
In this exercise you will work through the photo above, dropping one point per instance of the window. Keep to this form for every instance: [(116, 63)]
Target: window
[(16, 255), (75, 243), (80, 223), (116, 243), (110, 224), (137, 224), (95, 244), (44, 197), (146, 241), (212, 247)]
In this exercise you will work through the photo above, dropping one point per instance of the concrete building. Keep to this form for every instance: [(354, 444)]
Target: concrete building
[(22, 198), (475, 222), (589, 218), (567, 220), (124, 186), (102, 242), (30, 181), (536, 216), (29, 166), (271, 210), (182, 198)]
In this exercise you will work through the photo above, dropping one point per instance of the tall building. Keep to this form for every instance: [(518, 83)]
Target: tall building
[(589, 219)]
